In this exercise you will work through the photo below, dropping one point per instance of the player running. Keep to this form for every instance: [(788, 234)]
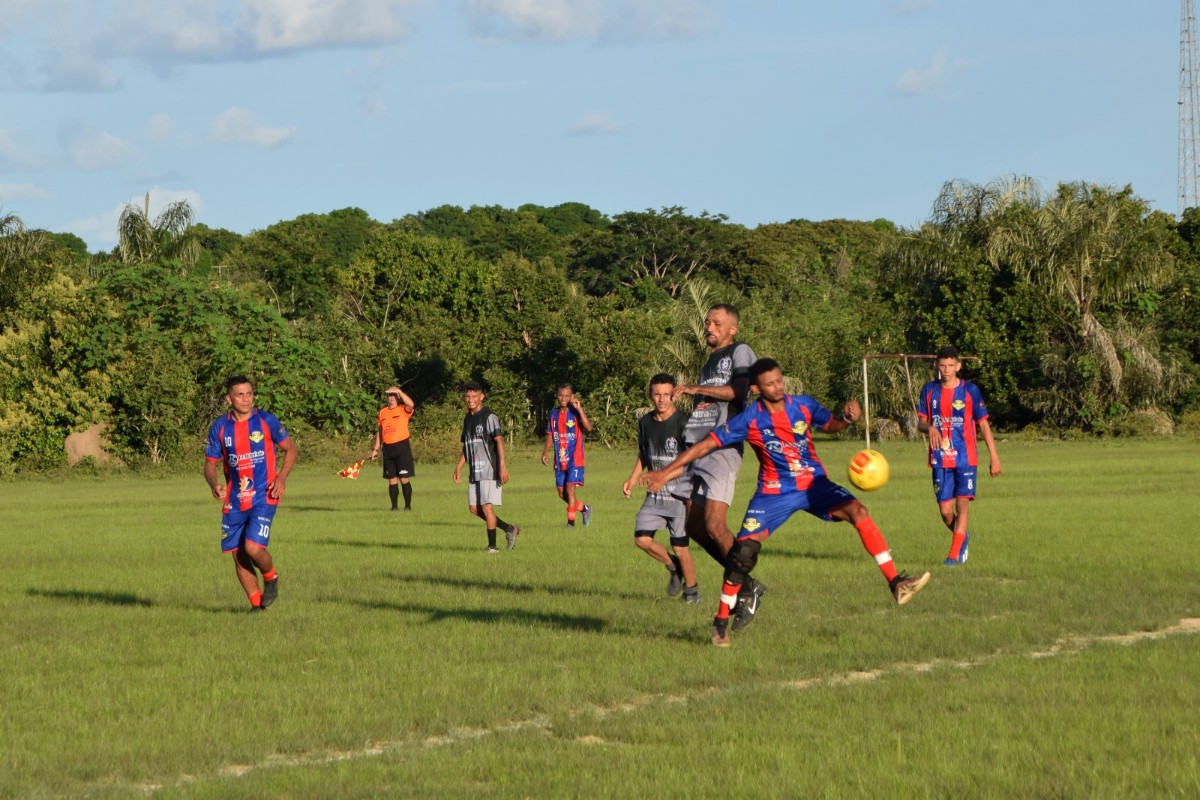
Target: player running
[(565, 428), (791, 478), (245, 440), (660, 438)]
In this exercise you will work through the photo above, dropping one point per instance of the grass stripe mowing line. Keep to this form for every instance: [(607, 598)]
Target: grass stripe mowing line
[(1065, 645)]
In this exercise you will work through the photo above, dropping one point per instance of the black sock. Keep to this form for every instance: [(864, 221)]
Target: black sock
[(504, 526), (491, 537), (407, 488), (394, 493)]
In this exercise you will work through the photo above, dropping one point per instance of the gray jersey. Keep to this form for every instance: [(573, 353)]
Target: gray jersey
[(722, 367), (659, 443), (479, 434)]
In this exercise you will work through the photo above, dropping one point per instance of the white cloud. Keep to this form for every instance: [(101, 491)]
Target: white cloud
[(160, 127), (565, 20), (934, 77), (61, 45), (16, 156), (100, 230), (90, 148), (239, 126), (22, 191), (594, 123)]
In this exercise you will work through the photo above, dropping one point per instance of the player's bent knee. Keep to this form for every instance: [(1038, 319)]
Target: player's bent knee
[(680, 544), (744, 556)]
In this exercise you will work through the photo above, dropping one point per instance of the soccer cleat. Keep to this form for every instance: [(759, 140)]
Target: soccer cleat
[(691, 595), (587, 515), (256, 609), (720, 635), (571, 523), (491, 551), (511, 536), (904, 587), (747, 604), (674, 584), (270, 591)]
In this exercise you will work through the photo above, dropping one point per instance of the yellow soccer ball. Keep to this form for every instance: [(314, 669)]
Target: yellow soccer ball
[(868, 470)]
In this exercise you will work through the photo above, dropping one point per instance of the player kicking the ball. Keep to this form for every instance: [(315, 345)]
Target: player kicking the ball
[(790, 478)]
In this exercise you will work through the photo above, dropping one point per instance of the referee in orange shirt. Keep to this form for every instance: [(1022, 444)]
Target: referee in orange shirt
[(392, 437)]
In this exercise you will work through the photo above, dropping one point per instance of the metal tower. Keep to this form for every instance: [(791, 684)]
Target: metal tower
[(1189, 109)]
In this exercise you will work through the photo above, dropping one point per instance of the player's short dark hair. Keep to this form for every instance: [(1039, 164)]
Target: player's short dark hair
[(728, 309), (662, 377), (947, 352), (562, 386), (761, 367), (236, 380), (472, 386)]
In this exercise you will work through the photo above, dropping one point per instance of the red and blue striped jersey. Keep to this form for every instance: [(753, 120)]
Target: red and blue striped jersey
[(247, 449), (566, 429), (954, 412), (787, 461)]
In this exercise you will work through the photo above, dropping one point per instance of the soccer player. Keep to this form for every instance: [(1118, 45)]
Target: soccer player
[(245, 440), (565, 428), (660, 440), (483, 450), (392, 435), (791, 478), (707, 487), (949, 410)]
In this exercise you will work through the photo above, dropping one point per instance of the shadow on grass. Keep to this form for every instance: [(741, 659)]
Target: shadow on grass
[(296, 507), (489, 616), (80, 596), (396, 545), (512, 586)]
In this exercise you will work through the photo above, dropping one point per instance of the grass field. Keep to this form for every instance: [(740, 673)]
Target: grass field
[(401, 661)]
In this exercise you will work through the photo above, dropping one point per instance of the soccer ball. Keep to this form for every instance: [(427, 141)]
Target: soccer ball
[(868, 470)]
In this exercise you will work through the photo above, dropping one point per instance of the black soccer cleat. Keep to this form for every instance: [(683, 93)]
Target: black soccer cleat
[(748, 601), (270, 591)]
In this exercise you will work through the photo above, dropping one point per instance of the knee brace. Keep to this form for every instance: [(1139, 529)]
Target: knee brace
[(741, 560)]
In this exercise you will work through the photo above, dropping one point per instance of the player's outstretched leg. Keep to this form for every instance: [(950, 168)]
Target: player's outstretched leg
[(739, 564)]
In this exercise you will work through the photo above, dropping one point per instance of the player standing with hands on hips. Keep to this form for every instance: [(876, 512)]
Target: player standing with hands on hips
[(245, 440), (564, 435), (949, 411)]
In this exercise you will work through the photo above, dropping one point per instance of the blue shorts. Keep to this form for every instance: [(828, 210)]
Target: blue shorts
[(571, 474), (246, 526), (766, 513), (952, 482)]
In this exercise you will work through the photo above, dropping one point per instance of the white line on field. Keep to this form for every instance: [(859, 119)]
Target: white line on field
[(1068, 644)]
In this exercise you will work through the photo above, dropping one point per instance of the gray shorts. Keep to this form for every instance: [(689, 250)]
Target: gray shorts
[(649, 519), (712, 477), (484, 493)]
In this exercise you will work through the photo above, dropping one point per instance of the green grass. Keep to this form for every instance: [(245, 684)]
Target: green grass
[(401, 661)]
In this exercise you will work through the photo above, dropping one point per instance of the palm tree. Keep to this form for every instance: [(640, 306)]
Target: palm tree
[(19, 248), (168, 238), (1087, 247)]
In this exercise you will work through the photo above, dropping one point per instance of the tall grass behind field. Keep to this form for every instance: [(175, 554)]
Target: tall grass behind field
[(400, 660)]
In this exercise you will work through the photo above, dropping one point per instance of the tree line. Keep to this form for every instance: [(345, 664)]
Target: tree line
[(1080, 303)]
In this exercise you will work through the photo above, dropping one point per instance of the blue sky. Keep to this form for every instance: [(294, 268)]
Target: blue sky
[(257, 111)]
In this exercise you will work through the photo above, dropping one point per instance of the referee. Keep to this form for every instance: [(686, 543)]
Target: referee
[(392, 438)]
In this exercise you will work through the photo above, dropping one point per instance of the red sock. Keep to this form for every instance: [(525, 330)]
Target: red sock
[(873, 540), (956, 544), (729, 593), (256, 599), (570, 513), (269, 576)]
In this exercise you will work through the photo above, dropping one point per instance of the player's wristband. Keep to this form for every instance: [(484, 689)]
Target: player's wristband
[(845, 419)]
